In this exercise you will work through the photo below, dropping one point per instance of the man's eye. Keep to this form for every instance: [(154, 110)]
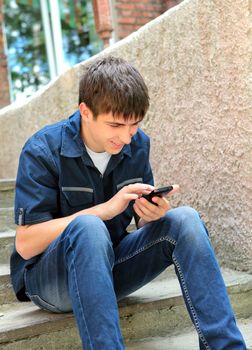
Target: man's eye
[(114, 125)]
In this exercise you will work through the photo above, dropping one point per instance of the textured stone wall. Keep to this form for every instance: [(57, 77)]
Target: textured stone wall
[(196, 59)]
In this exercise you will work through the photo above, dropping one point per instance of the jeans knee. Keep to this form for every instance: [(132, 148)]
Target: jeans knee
[(182, 215), (185, 222), (186, 214), (88, 231)]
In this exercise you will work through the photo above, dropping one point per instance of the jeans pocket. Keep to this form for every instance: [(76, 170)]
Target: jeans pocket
[(35, 298), (42, 304)]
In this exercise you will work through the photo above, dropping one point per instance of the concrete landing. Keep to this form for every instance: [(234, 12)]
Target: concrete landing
[(186, 341)]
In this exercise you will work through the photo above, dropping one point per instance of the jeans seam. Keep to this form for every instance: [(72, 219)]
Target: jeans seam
[(147, 246), (78, 294), (188, 299)]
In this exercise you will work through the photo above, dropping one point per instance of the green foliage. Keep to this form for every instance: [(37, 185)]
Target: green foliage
[(78, 30), (26, 47), (27, 57)]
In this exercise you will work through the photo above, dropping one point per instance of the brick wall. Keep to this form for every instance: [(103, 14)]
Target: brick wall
[(128, 15), (4, 83), (131, 14), (170, 3)]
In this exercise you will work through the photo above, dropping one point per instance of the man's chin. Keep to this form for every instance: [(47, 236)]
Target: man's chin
[(114, 151)]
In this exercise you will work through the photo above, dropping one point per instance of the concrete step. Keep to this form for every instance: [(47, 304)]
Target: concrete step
[(7, 193), (24, 326), (7, 219), (6, 246), (156, 309), (6, 291), (188, 340)]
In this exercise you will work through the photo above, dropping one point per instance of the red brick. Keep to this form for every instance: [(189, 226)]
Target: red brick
[(125, 13), (123, 34), (132, 14), (129, 27), (170, 3), (149, 14), (126, 20), (126, 6), (142, 20)]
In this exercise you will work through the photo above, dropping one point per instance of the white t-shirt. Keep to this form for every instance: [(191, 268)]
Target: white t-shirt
[(100, 160)]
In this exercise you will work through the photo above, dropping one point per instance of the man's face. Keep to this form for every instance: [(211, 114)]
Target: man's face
[(107, 133)]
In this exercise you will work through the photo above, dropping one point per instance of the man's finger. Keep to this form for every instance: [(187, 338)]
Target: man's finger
[(143, 214), (175, 190), (130, 196), (162, 203), (139, 188)]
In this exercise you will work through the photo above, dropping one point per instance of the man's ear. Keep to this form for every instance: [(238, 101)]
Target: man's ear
[(85, 112)]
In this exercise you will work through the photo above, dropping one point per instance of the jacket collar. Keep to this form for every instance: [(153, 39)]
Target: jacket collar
[(72, 145)]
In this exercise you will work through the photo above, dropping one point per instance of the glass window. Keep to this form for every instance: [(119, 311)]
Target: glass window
[(80, 40), (27, 49)]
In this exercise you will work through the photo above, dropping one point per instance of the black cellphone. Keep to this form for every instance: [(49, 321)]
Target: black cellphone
[(158, 192)]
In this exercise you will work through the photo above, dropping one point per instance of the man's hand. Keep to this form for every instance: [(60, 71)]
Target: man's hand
[(148, 212), (120, 201), (29, 243)]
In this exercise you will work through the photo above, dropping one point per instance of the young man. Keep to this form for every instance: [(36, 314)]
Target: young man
[(79, 183)]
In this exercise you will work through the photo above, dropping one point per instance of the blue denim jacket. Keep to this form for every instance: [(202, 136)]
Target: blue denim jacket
[(56, 177)]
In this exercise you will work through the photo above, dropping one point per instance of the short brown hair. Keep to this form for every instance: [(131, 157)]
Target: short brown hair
[(112, 84)]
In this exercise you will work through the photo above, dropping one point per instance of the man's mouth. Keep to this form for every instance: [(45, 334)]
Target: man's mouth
[(117, 145)]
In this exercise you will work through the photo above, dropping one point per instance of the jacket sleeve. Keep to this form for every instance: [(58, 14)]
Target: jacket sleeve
[(36, 185)]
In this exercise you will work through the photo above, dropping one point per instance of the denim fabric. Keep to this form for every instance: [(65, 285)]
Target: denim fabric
[(81, 271)]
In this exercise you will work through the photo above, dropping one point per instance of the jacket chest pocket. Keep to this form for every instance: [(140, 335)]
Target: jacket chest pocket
[(76, 198)]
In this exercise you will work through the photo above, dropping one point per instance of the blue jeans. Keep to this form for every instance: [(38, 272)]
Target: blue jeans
[(81, 271)]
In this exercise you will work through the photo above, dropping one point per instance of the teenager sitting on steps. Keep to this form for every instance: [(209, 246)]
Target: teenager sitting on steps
[(79, 183)]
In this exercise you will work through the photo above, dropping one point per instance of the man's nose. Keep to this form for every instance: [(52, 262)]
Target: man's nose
[(126, 136)]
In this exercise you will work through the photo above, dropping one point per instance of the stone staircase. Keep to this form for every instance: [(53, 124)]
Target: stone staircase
[(153, 318)]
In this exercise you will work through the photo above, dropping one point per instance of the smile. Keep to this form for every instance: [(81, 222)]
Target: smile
[(115, 145)]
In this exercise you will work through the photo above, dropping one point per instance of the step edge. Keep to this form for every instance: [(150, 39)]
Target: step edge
[(33, 329), (56, 322), (7, 184), (7, 209), (7, 234)]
